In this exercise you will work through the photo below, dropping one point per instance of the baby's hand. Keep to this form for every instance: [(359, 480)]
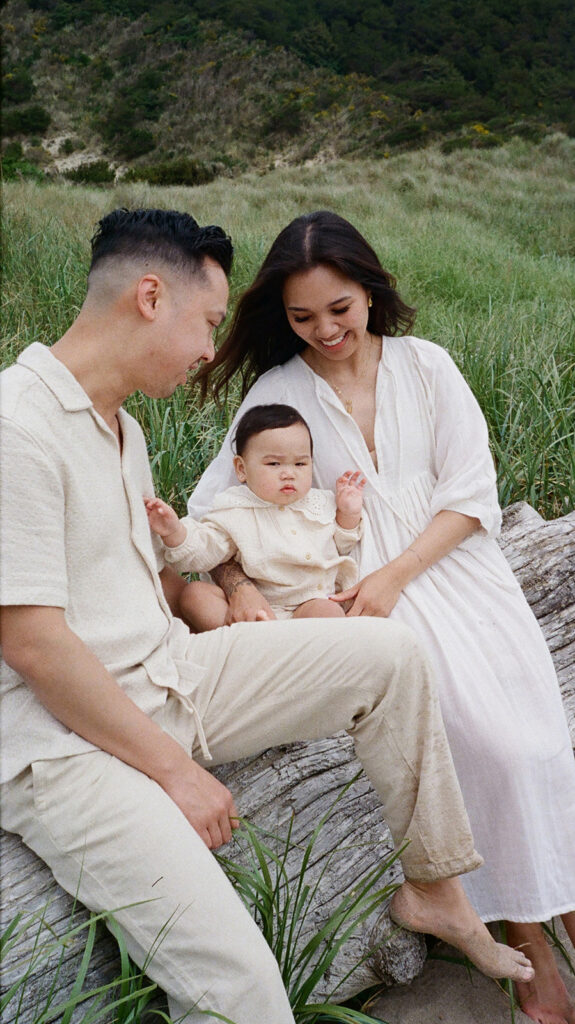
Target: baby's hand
[(164, 521), (349, 493)]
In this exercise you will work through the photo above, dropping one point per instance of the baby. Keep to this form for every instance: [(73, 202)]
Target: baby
[(289, 538)]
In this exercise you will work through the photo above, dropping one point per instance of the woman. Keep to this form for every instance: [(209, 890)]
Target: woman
[(318, 330)]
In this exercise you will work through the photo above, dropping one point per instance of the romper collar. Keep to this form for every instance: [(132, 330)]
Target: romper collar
[(316, 504)]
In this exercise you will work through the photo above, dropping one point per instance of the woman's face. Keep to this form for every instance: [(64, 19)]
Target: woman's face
[(327, 310)]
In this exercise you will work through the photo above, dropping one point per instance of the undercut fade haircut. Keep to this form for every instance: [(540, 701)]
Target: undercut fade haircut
[(266, 417), (173, 238)]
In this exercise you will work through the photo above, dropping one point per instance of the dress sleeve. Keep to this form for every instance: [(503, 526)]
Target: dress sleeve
[(206, 545), (32, 523), (466, 478)]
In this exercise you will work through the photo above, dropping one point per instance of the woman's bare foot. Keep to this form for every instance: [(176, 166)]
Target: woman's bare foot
[(442, 909), (545, 999)]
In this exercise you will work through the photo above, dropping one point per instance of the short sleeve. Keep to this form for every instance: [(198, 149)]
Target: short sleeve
[(466, 477), (32, 523)]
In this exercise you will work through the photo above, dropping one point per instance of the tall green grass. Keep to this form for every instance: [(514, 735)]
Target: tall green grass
[(482, 243), (259, 865)]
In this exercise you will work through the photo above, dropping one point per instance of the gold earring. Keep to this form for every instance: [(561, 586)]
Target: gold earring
[(370, 302)]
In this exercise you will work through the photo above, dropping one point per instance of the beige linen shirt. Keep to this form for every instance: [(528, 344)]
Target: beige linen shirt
[(74, 534), (292, 552)]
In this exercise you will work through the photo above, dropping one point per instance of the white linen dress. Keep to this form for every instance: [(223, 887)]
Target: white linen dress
[(499, 694)]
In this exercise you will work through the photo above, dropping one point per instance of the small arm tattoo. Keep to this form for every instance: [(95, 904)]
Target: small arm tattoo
[(229, 576)]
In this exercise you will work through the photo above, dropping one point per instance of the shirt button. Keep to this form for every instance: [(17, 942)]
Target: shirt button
[(308, 556), (294, 532), (319, 586)]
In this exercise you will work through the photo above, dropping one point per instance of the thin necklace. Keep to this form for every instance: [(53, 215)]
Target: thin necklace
[(348, 402)]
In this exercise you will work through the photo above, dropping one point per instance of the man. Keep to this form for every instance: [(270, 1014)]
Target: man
[(112, 708)]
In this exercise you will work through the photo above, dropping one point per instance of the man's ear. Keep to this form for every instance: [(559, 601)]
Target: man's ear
[(148, 291), (240, 468)]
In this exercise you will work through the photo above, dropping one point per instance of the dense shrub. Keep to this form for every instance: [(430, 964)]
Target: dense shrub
[(15, 165), (285, 117), (410, 132), (98, 172), (17, 86), (135, 142), (181, 171), (27, 121)]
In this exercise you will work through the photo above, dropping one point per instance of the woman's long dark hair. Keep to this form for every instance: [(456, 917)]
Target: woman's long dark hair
[(260, 335)]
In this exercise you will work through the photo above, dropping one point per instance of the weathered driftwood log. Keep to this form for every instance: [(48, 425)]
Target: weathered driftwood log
[(298, 784)]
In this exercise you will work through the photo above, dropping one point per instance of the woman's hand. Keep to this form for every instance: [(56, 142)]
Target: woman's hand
[(376, 594)]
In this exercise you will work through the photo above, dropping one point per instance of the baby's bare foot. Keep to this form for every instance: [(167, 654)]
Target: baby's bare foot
[(442, 909)]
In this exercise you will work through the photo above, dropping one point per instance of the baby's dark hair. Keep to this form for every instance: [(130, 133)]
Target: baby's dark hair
[(166, 235), (266, 417)]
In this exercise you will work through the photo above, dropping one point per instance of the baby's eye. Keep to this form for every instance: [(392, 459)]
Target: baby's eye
[(271, 463), (301, 463)]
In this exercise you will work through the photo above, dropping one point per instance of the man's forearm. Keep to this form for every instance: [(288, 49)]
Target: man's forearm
[(229, 576), (71, 682)]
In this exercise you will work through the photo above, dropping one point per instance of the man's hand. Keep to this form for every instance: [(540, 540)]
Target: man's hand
[(206, 803), (79, 691)]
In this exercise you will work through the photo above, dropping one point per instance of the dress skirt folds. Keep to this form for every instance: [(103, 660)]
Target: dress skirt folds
[(497, 685)]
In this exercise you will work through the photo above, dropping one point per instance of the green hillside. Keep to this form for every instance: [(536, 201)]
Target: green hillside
[(184, 90)]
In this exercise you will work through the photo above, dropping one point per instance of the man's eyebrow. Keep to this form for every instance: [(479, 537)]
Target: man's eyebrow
[(334, 302)]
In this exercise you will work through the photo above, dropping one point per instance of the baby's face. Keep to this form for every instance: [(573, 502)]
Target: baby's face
[(277, 464)]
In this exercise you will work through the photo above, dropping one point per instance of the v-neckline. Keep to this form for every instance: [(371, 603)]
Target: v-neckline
[(327, 393)]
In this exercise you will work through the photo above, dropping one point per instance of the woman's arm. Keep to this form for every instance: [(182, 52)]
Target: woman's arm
[(378, 593), (78, 690)]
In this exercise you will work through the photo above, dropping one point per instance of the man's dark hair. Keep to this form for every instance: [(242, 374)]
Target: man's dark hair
[(166, 235), (266, 417)]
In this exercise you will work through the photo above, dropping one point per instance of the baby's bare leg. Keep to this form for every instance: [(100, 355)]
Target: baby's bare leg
[(203, 606), (319, 608)]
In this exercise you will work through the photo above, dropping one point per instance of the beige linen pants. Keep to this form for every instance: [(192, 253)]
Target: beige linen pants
[(111, 834)]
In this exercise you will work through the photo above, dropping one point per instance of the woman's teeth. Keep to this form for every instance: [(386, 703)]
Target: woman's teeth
[(331, 344)]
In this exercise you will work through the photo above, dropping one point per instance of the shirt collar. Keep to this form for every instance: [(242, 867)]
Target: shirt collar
[(56, 377)]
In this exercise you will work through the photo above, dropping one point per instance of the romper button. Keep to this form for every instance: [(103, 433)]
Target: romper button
[(308, 556), (294, 532)]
